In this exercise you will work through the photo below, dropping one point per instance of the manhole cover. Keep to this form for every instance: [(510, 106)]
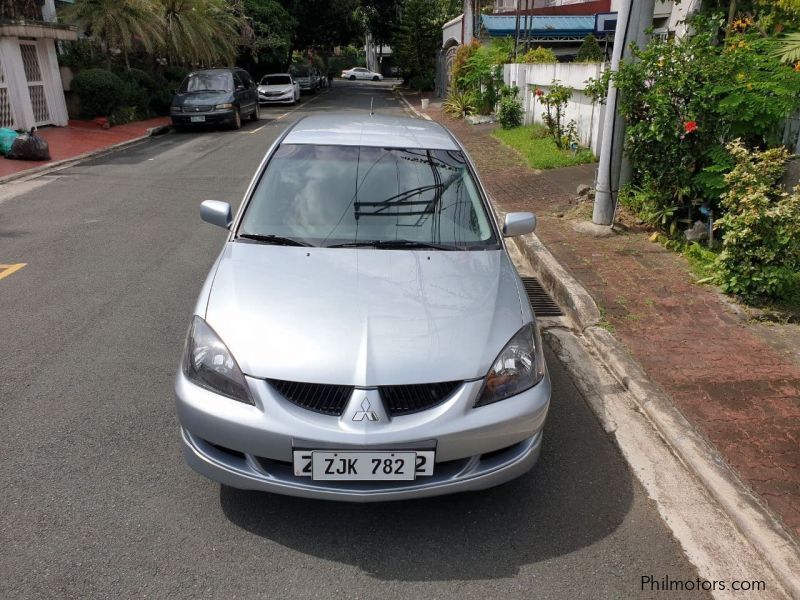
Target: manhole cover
[(541, 302)]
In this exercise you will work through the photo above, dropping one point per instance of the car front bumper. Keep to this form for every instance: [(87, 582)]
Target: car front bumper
[(284, 99), (217, 116), (250, 447)]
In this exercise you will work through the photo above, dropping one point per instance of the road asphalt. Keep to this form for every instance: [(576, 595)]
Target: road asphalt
[(96, 500)]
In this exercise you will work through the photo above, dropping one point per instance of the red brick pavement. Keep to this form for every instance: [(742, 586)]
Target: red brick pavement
[(743, 395), (78, 138)]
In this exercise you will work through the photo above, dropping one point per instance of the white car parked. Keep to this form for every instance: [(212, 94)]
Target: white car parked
[(361, 73), (278, 88)]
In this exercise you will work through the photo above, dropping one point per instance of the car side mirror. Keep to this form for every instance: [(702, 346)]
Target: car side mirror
[(217, 213), (519, 223), (239, 88)]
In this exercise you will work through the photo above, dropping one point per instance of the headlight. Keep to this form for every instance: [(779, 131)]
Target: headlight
[(176, 109), (517, 368), (225, 106), (209, 363)]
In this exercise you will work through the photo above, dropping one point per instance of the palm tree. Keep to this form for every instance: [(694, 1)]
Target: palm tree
[(199, 31), (118, 24), (790, 48)]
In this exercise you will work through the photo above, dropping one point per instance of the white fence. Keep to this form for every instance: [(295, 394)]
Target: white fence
[(587, 116)]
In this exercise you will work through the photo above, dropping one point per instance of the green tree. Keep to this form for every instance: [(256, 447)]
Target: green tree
[(417, 39), (590, 50), (200, 31), (273, 30), (324, 24), (118, 24)]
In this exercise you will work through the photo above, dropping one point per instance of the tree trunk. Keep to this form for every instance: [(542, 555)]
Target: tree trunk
[(731, 12)]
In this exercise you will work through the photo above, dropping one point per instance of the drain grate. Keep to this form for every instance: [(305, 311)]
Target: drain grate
[(541, 302)]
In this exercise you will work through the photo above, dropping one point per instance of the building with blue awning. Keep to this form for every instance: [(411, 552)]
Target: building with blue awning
[(541, 28)]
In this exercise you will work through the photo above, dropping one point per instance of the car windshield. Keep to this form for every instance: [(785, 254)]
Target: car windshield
[(276, 80), (208, 82), (325, 195)]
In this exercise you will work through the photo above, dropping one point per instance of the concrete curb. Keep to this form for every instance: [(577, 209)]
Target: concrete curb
[(60, 164), (756, 521), (401, 96)]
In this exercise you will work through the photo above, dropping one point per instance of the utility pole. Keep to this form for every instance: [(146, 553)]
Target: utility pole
[(516, 35), (633, 21)]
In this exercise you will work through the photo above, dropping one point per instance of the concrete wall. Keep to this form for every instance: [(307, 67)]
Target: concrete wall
[(587, 116)]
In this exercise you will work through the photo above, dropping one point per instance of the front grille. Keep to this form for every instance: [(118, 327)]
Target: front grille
[(407, 399), (201, 108), (319, 397)]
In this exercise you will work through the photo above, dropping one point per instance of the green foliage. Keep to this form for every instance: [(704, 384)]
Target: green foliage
[(417, 38), (202, 32), (597, 89), (539, 149), (118, 23), (702, 261), (99, 92), (684, 98), (481, 77), (555, 101), (510, 111), (83, 53), (760, 255), (590, 50), (268, 47), (539, 54), (789, 49), (423, 82), (458, 104)]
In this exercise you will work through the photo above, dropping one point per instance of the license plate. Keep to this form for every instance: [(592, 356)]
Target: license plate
[(334, 465), (198, 119)]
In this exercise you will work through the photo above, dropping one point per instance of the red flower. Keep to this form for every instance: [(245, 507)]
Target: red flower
[(539, 92), (690, 126)]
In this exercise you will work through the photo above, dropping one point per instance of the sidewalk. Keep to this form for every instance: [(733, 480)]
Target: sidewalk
[(741, 392), (80, 137)]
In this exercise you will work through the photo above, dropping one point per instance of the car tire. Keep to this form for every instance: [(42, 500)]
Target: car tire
[(237, 119), (376, 78), (352, 78), (256, 116)]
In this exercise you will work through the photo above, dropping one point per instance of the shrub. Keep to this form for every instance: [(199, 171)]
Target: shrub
[(683, 99), (555, 101), (539, 55), (423, 82), (99, 92), (481, 76), (590, 50), (463, 55), (175, 73), (510, 112), (761, 246), (458, 104)]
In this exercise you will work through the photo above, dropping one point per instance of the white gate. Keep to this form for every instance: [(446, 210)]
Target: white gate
[(33, 74), (6, 114)]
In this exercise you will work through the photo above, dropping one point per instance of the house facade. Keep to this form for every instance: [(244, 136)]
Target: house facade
[(31, 93)]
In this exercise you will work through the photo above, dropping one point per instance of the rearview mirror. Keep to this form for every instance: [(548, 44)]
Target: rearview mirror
[(217, 213), (519, 223)]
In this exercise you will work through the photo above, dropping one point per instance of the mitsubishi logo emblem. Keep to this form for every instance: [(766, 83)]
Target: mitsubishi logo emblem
[(365, 412)]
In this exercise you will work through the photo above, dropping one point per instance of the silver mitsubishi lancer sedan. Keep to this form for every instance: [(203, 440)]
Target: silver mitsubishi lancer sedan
[(363, 334)]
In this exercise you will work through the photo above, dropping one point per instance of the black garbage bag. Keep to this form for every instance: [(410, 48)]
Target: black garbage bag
[(29, 146)]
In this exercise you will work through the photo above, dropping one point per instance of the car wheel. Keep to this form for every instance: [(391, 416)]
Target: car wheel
[(352, 78), (376, 78), (237, 119), (256, 113)]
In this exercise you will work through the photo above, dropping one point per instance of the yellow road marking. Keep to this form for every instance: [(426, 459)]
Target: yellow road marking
[(6, 270)]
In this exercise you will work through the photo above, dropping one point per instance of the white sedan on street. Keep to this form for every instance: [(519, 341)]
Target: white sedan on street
[(278, 88), (361, 73)]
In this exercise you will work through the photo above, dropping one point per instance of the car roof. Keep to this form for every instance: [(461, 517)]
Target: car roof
[(363, 129)]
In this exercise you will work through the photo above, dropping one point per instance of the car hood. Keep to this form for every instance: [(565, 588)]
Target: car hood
[(361, 316), (201, 98), (284, 87)]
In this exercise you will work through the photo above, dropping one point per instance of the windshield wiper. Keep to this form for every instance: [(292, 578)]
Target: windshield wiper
[(392, 244), (275, 240)]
